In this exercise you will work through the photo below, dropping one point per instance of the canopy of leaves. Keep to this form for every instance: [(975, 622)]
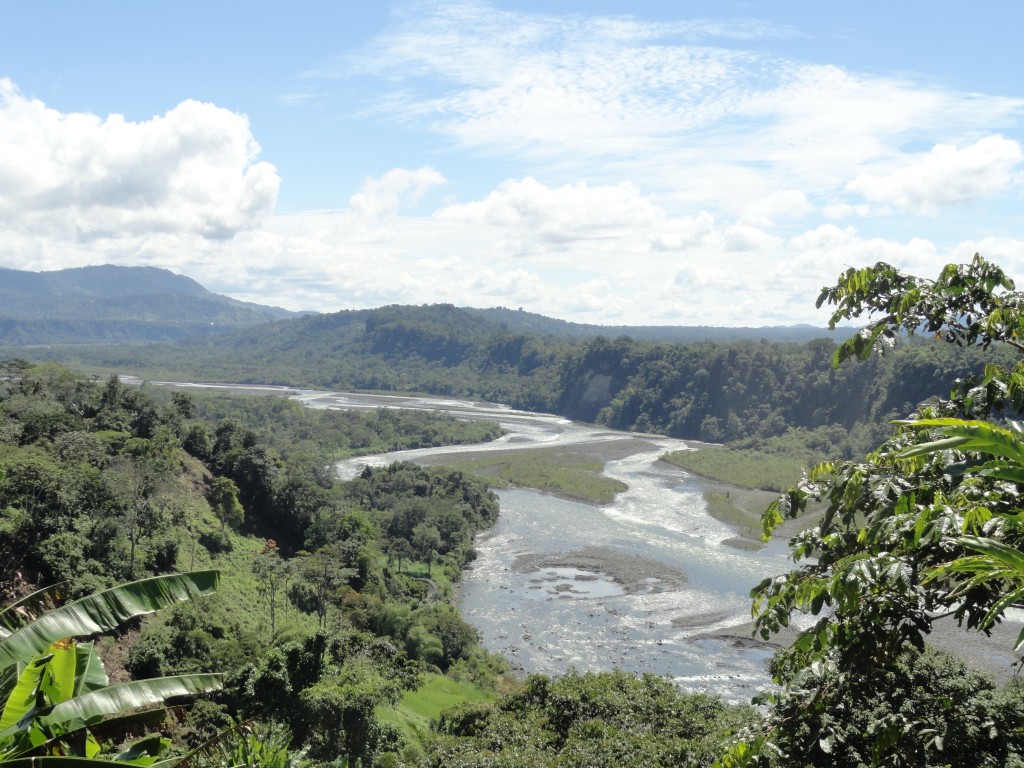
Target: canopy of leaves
[(926, 527)]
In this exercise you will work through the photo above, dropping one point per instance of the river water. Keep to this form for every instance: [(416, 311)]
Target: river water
[(550, 617)]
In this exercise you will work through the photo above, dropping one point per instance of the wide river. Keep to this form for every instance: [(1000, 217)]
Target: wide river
[(546, 616)]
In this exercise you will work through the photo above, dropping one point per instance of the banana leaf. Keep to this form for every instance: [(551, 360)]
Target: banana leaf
[(90, 674), (61, 762), (121, 698), (37, 602), (104, 611), (23, 698)]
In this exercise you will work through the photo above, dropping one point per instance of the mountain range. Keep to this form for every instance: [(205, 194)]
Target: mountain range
[(110, 304)]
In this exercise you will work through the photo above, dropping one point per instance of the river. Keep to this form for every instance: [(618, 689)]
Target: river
[(548, 613), (647, 583)]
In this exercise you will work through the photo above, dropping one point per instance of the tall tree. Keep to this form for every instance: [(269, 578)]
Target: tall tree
[(224, 500), (273, 574), (143, 479), (325, 571), (919, 530), (426, 540)]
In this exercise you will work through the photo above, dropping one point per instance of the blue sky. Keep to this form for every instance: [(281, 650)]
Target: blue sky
[(699, 163)]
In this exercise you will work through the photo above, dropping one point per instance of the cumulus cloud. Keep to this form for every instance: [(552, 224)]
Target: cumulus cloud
[(80, 177), (571, 211), (945, 176), (382, 197)]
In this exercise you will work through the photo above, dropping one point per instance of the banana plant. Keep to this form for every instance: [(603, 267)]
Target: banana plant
[(54, 689)]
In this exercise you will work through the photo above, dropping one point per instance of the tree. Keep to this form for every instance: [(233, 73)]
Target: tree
[(325, 571), (399, 549), (224, 500), (591, 719), (928, 526), (142, 484), (273, 573), (426, 540), (327, 689)]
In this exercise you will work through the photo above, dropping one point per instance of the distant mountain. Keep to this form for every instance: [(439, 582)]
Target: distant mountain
[(518, 321), (111, 304)]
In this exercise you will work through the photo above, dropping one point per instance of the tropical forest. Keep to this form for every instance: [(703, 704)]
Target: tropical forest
[(190, 576)]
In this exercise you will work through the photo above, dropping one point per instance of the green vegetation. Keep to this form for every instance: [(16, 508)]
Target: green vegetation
[(587, 720), (751, 392), (56, 693), (415, 714), (100, 481), (745, 468), (722, 508), (928, 527), (552, 470)]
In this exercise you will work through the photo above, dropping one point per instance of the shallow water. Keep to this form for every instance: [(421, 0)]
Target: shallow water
[(553, 619)]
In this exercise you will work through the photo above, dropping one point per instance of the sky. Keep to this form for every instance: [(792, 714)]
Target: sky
[(608, 162)]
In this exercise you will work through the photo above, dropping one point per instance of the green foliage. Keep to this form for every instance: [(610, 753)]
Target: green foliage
[(555, 470), (56, 689), (247, 745), (926, 708), (593, 719), (224, 500), (927, 526), (969, 304), (326, 689)]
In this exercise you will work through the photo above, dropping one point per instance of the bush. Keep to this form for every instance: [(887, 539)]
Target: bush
[(215, 542)]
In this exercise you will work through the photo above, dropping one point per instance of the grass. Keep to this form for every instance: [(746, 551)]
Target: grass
[(413, 714), (756, 477), (745, 468), (238, 597), (551, 470), (721, 507)]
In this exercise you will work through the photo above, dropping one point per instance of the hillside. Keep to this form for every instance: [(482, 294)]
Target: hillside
[(110, 304), (518, 321), (745, 390)]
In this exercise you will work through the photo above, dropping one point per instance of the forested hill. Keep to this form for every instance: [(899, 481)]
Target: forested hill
[(114, 304), (518, 321), (746, 390)]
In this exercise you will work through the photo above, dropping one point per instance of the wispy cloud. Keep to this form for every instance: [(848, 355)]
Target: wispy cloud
[(689, 110)]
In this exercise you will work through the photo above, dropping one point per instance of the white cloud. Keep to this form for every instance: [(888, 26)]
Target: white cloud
[(577, 211), (743, 237), (400, 186), (691, 111), (945, 176), (80, 177), (784, 204)]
